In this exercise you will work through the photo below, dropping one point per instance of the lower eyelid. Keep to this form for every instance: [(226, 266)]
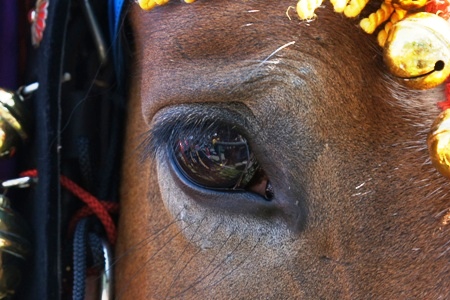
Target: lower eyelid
[(229, 201)]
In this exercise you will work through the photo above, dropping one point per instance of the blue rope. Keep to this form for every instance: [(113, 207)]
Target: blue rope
[(84, 159), (79, 261), (84, 242), (95, 244)]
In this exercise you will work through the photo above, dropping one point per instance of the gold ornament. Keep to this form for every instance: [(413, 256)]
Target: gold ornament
[(417, 50), (15, 248), (439, 143), (14, 120)]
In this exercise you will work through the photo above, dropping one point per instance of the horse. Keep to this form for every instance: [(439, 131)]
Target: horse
[(346, 203)]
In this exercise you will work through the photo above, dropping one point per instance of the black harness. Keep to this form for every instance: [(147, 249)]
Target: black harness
[(77, 114)]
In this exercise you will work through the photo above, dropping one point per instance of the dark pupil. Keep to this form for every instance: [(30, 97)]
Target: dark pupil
[(217, 158)]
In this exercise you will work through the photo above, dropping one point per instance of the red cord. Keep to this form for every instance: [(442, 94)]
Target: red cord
[(99, 208), (86, 211)]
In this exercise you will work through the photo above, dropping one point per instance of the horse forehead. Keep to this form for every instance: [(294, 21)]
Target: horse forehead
[(209, 21), (201, 52), (226, 32), (178, 39)]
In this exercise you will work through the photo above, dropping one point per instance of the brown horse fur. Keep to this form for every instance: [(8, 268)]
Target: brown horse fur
[(357, 211)]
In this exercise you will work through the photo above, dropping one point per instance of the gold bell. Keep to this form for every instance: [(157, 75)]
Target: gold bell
[(417, 50), (14, 248), (439, 143), (13, 118)]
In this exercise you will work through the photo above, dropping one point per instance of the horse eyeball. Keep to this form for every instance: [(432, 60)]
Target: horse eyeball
[(439, 143), (417, 50), (220, 158)]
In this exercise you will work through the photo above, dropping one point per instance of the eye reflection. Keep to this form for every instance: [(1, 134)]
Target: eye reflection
[(219, 158)]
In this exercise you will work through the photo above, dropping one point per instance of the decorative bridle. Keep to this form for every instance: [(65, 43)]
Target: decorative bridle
[(415, 37)]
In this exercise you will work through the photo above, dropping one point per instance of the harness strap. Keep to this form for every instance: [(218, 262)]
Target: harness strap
[(115, 19), (115, 12)]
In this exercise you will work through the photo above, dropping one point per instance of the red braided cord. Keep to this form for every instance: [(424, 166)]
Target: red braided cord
[(92, 202), (86, 211)]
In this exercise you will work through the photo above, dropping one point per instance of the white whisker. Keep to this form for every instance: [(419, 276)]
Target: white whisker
[(275, 52)]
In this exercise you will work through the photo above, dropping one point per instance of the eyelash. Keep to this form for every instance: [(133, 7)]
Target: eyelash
[(165, 133)]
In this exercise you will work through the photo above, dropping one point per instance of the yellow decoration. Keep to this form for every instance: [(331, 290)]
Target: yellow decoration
[(439, 143), (418, 50), (354, 8), (306, 8), (149, 4), (408, 4), (377, 18), (398, 15), (339, 5), (390, 10)]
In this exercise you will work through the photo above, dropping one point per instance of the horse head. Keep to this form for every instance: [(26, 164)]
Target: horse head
[(329, 191)]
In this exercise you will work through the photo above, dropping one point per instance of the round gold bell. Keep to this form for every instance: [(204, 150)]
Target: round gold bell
[(417, 50), (13, 118), (439, 143), (15, 248)]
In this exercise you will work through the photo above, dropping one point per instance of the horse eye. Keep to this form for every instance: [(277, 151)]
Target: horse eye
[(220, 158)]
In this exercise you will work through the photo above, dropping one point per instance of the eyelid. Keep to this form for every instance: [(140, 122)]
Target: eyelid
[(188, 119), (238, 201)]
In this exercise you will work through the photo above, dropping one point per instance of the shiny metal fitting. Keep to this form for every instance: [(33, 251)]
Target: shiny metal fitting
[(417, 50), (13, 122), (106, 279), (439, 143), (14, 248)]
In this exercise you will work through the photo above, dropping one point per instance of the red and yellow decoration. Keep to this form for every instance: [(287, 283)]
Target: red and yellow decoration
[(416, 49)]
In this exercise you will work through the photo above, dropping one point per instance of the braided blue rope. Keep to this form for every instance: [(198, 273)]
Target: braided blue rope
[(84, 159), (95, 244), (83, 242), (79, 261)]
